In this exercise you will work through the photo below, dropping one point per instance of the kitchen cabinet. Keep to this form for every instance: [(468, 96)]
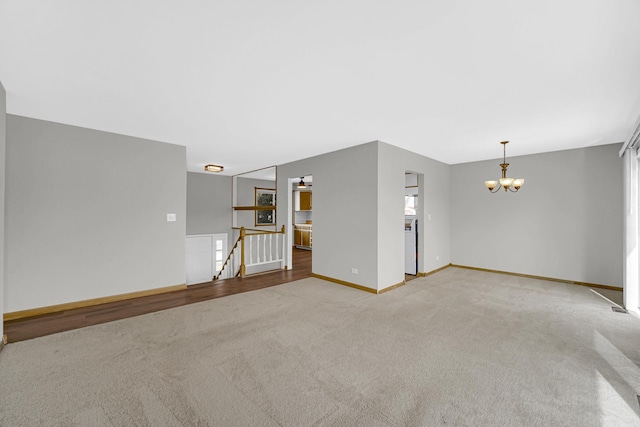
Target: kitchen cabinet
[(303, 200), (303, 236), (306, 238)]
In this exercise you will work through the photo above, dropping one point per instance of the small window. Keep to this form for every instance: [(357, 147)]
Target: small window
[(220, 243)]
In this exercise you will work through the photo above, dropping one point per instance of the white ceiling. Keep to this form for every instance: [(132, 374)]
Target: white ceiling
[(250, 84)]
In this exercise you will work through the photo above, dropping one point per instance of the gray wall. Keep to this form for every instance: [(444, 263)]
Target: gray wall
[(358, 212), (565, 223), (345, 217), (433, 213), (86, 214), (208, 203), (3, 133)]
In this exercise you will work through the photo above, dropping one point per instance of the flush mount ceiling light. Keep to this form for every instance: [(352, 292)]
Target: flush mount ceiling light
[(213, 168), (510, 184), (301, 184)]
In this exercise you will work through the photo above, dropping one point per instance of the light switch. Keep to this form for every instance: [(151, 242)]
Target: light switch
[(171, 217)]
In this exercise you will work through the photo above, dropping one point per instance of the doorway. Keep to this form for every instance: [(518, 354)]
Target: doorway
[(302, 196), (411, 225), (300, 221)]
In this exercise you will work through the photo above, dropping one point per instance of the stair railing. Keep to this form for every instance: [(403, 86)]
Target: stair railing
[(257, 247), (230, 260)]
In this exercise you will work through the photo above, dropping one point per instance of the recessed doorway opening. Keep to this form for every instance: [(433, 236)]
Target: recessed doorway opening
[(411, 225), (302, 196)]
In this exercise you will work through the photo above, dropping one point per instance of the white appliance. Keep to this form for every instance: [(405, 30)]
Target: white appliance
[(411, 246)]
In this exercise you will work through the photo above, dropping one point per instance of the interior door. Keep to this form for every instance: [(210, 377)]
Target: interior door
[(204, 256)]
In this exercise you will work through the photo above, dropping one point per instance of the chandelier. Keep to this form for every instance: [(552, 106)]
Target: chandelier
[(511, 184)]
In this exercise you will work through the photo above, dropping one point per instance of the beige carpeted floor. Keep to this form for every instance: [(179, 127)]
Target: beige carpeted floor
[(457, 348)]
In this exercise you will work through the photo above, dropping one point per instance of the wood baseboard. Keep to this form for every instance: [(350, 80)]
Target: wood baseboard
[(345, 283), (531, 276), (429, 273), (88, 303), (355, 286), (397, 285)]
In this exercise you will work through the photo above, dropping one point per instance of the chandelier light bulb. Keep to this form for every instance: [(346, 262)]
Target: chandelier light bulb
[(509, 184), (491, 184)]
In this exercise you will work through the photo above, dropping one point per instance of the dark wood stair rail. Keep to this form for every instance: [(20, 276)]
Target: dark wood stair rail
[(241, 237)]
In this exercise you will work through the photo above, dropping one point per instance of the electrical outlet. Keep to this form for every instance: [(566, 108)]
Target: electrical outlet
[(438, 258), (354, 270), (171, 217)]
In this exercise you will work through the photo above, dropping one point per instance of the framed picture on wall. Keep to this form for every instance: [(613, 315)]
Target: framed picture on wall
[(265, 197)]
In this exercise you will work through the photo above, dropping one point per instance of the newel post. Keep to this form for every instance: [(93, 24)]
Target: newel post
[(283, 264), (243, 269)]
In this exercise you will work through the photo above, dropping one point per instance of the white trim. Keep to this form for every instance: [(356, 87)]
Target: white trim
[(633, 139), (631, 236)]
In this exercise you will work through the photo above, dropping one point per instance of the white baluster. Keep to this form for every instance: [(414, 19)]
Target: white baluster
[(257, 250), (264, 245), (264, 248), (257, 255), (262, 252)]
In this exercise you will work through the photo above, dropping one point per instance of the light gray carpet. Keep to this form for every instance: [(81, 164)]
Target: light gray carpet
[(457, 348)]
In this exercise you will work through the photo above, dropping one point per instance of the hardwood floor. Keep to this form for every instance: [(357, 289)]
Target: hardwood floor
[(37, 326)]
